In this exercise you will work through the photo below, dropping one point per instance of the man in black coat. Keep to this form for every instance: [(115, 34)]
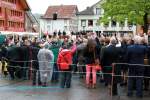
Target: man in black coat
[(35, 65), (110, 56), (147, 72), (13, 57), (135, 55), (25, 58)]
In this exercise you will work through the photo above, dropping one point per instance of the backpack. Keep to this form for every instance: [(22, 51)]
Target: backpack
[(64, 59)]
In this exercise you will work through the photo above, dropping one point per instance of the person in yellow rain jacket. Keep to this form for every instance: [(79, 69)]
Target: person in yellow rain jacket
[(4, 65)]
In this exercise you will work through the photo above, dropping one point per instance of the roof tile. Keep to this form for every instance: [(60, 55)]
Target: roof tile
[(63, 11)]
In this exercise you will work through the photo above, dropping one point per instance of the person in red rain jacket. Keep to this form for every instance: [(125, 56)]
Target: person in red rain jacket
[(64, 59), (64, 62)]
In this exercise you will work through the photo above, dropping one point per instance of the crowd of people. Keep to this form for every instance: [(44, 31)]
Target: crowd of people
[(55, 57)]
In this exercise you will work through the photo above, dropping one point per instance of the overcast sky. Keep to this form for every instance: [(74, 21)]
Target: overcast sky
[(40, 6)]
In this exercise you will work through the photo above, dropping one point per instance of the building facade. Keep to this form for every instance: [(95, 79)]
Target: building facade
[(12, 15), (65, 19), (31, 23), (88, 20)]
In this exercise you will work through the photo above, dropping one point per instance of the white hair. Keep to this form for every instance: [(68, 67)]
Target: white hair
[(113, 41), (138, 39)]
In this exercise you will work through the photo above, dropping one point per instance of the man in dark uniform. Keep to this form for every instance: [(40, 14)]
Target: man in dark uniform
[(147, 68), (35, 66), (109, 56), (135, 55), (13, 56), (26, 55)]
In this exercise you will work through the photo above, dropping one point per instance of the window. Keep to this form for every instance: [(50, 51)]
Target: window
[(18, 25), (22, 25), (106, 25), (12, 24), (10, 12), (11, 1), (48, 22), (113, 24), (65, 22), (48, 27), (9, 24), (1, 23), (97, 24), (90, 22), (65, 27), (122, 24), (98, 11), (83, 23), (16, 13), (0, 10)]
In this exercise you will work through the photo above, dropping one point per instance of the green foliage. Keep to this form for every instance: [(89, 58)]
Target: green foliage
[(118, 10)]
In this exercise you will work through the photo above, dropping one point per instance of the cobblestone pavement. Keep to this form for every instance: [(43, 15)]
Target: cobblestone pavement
[(23, 90)]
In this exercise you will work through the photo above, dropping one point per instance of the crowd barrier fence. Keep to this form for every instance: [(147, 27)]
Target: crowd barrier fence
[(99, 73)]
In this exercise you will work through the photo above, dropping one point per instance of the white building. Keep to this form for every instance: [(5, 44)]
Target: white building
[(88, 20), (59, 18)]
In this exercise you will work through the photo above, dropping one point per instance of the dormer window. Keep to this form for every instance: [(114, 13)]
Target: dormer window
[(98, 11)]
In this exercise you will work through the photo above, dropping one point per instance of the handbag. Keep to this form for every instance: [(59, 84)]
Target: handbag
[(98, 68), (97, 64)]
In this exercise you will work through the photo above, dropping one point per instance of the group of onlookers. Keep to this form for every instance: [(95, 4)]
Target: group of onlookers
[(89, 54)]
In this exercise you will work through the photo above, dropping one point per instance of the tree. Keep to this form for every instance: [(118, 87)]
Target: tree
[(136, 11)]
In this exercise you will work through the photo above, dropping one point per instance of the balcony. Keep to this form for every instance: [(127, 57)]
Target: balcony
[(15, 29), (118, 28), (2, 28), (20, 29), (2, 16), (8, 5), (15, 18), (10, 28)]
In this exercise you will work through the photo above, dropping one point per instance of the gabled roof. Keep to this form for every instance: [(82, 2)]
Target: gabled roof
[(99, 2), (63, 11), (89, 10)]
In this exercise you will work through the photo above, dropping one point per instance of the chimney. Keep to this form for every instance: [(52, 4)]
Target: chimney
[(88, 7)]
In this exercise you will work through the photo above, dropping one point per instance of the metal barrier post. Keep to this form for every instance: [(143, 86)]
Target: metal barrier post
[(30, 70), (112, 80)]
